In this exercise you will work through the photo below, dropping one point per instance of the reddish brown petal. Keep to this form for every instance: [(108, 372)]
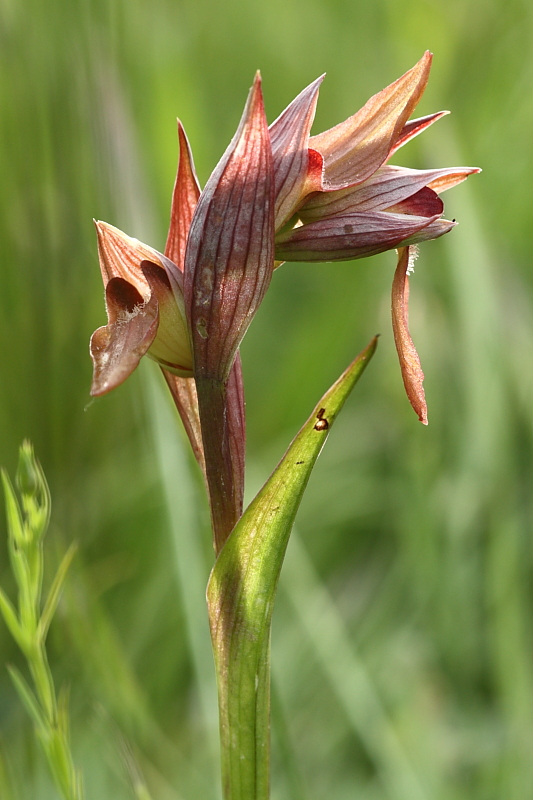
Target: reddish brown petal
[(184, 199), (412, 374), (384, 189), (348, 236), (289, 136), (435, 228), (183, 392), (414, 127), (228, 266), (120, 256), (425, 203), (230, 251), (171, 347), (450, 178), (117, 348), (355, 148)]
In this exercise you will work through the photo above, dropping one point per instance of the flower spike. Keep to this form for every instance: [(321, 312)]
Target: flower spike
[(144, 303)]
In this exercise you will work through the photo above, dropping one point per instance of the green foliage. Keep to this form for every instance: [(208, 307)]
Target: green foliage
[(241, 594), (27, 524), (419, 540)]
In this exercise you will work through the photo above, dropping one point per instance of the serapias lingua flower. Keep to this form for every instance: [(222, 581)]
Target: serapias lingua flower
[(145, 309), (277, 193)]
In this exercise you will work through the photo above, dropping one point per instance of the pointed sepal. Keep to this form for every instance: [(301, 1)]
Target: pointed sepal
[(289, 136), (355, 148), (184, 200), (387, 187), (230, 252)]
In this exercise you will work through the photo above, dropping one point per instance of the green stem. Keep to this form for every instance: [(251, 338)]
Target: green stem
[(244, 707)]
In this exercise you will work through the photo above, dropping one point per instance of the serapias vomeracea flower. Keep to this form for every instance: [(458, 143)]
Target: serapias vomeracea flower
[(278, 194)]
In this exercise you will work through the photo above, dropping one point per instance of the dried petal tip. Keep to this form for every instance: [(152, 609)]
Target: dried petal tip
[(412, 374)]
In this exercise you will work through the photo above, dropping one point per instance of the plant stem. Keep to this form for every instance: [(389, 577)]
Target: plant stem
[(223, 469)]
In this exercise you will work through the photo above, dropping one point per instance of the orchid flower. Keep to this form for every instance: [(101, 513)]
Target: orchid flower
[(278, 194), (190, 307)]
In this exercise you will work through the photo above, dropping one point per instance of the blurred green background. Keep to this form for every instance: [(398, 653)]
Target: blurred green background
[(403, 636)]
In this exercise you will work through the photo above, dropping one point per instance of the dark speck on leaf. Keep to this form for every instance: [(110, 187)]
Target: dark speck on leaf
[(322, 424), (299, 462), (348, 229)]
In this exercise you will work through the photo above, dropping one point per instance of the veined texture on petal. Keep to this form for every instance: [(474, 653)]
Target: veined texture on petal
[(387, 187), (289, 136), (230, 251), (348, 236), (120, 256), (184, 199), (414, 127), (355, 148)]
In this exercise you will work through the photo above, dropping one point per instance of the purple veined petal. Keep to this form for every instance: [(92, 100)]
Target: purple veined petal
[(228, 266), (230, 251), (424, 203), (289, 137), (413, 128), (184, 199), (357, 147), (349, 236), (435, 229), (387, 187), (117, 347), (412, 374)]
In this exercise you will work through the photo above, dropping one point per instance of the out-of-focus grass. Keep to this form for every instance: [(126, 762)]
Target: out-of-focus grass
[(415, 550)]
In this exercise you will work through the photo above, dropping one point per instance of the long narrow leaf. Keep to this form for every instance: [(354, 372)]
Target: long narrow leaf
[(55, 591), (10, 618), (241, 594), (29, 701)]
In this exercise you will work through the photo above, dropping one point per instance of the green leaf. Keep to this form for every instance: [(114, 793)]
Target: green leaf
[(55, 592), (15, 524), (10, 617), (241, 593), (29, 701)]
